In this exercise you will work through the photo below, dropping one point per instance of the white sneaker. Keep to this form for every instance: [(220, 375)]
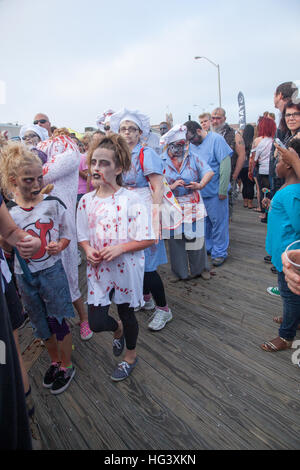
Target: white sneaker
[(149, 305), (159, 319)]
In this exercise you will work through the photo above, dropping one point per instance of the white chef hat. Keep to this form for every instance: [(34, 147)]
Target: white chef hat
[(178, 132), (40, 131), (104, 119), (141, 120)]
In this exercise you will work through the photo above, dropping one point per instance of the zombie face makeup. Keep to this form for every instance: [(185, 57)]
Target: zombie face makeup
[(176, 149), (29, 183), (31, 139), (103, 168), (194, 138), (163, 129)]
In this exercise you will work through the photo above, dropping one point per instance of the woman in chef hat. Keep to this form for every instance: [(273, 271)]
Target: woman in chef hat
[(146, 167), (186, 174)]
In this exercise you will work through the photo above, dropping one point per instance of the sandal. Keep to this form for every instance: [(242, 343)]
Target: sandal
[(279, 321), (256, 209), (276, 344)]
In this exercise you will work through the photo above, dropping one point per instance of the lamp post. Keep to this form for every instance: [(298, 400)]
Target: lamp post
[(219, 81)]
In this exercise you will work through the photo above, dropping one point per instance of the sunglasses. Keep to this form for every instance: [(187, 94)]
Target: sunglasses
[(42, 121)]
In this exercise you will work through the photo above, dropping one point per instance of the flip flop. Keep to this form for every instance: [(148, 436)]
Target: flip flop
[(256, 209), (276, 344)]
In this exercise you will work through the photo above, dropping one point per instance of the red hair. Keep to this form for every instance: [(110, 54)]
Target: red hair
[(266, 127)]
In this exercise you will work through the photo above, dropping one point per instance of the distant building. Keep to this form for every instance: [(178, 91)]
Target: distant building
[(13, 130)]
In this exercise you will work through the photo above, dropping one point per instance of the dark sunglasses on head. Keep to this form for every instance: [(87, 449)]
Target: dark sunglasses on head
[(42, 121)]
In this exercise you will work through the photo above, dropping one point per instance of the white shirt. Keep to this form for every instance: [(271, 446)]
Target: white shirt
[(262, 155)]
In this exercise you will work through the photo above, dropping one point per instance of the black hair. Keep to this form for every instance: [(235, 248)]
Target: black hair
[(192, 126), (287, 89), (248, 135), (295, 144)]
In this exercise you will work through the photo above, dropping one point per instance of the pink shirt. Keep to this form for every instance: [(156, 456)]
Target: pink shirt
[(82, 182)]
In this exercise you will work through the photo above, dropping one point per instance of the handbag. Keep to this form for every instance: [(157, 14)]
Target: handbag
[(171, 215)]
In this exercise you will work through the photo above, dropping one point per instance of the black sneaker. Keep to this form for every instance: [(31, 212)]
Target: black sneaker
[(50, 375), (62, 380), (267, 259)]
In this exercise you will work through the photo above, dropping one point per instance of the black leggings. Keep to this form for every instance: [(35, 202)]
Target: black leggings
[(99, 320), (248, 185), (154, 284)]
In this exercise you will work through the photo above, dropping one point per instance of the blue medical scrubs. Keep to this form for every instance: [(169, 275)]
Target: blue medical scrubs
[(136, 178), (213, 150)]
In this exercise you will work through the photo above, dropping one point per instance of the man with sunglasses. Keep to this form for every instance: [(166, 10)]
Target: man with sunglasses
[(236, 142), (43, 121)]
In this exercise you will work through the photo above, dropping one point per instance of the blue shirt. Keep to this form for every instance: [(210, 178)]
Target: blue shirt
[(192, 169), (283, 222), (213, 150), (135, 177)]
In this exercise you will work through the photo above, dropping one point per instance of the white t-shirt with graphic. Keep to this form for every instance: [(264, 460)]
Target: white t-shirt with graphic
[(47, 221), (118, 219)]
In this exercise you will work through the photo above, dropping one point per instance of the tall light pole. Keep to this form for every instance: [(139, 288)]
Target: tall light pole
[(219, 81)]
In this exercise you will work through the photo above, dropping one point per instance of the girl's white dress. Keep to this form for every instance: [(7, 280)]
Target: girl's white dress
[(120, 218)]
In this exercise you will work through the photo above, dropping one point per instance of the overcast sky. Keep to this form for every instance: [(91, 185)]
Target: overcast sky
[(73, 59)]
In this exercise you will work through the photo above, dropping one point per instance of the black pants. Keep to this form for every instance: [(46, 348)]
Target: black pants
[(99, 320), (248, 185), (154, 285)]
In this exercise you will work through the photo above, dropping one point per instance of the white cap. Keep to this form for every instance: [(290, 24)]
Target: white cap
[(104, 119), (178, 132), (141, 120), (40, 131)]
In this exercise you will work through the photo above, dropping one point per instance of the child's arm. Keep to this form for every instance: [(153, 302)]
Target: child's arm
[(53, 248), (109, 253), (92, 255)]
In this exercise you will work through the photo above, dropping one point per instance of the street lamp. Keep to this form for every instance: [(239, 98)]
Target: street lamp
[(219, 82)]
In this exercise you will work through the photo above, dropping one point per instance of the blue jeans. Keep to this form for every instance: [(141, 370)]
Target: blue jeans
[(291, 310), (48, 295)]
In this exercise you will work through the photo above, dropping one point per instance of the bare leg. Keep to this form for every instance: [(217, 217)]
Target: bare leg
[(52, 348), (65, 348), (130, 356), (118, 333), (79, 305)]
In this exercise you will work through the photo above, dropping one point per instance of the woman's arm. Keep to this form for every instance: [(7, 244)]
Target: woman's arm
[(157, 185), (204, 181)]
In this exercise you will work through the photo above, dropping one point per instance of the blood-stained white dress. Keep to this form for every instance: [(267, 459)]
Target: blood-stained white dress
[(111, 221), (62, 170)]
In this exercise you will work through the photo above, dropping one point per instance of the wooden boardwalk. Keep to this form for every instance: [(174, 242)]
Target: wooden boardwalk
[(201, 383)]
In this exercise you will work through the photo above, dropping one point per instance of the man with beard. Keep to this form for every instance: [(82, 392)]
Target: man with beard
[(212, 148), (235, 142)]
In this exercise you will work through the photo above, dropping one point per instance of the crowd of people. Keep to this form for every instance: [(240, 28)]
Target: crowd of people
[(118, 196)]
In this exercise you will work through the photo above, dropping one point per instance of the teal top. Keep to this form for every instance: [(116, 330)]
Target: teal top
[(283, 222)]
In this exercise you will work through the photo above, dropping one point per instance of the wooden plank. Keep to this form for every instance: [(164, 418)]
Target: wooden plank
[(201, 383)]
